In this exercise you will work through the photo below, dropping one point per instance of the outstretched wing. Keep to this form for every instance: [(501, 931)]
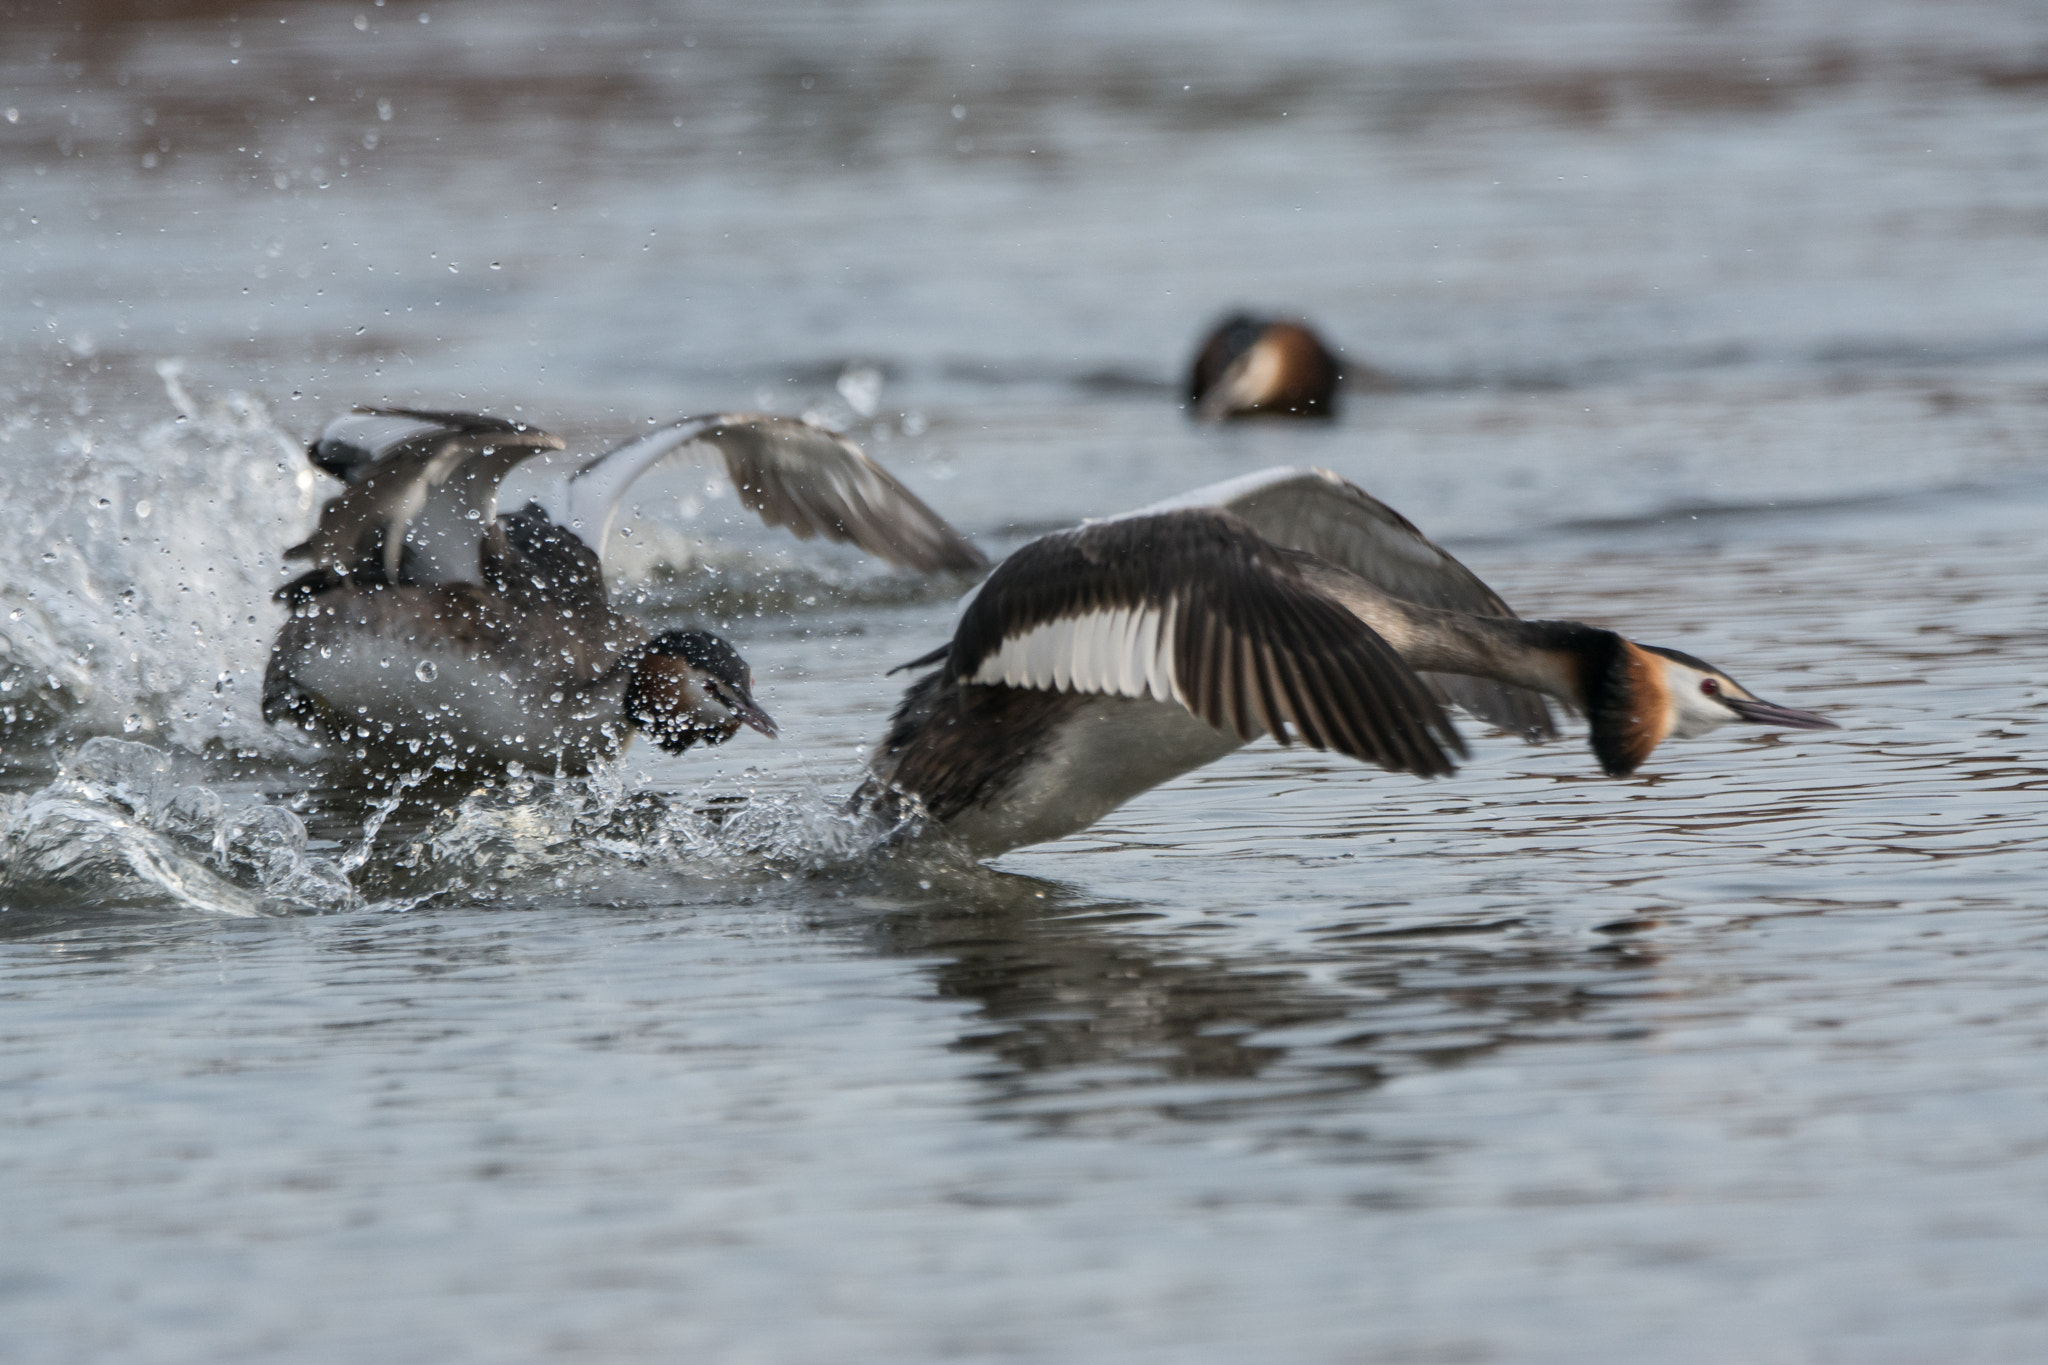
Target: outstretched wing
[(350, 445), (813, 481), (1340, 523), (1193, 606), (423, 488)]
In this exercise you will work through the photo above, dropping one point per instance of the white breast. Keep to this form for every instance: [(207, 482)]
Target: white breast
[(1110, 750)]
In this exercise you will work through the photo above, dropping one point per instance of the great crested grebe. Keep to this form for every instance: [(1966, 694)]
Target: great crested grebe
[(1258, 367), (430, 625), (1096, 663)]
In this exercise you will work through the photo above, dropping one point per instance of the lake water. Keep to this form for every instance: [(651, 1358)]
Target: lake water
[(1717, 322)]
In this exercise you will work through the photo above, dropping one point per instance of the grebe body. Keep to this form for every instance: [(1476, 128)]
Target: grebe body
[(1096, 663), (432, 627)]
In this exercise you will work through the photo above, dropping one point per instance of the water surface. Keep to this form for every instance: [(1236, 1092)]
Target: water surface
[(1712, 322)]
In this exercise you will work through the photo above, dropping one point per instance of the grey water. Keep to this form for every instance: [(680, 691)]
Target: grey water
[(1716, 321)]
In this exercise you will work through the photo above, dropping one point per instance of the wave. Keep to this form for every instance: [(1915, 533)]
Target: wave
[(120, 828), (138, 574)]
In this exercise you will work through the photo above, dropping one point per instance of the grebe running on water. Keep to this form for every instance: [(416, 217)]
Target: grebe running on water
[(431, 627), (1096, 663)]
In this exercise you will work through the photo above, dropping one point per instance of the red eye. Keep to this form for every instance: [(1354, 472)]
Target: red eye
[(1710, 687)]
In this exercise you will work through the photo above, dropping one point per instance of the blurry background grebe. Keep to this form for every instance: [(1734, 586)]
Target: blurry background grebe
[(1719, 322)]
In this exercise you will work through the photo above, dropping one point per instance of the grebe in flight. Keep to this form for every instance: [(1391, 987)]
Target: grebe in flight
[(431, 625), (1096, 663)]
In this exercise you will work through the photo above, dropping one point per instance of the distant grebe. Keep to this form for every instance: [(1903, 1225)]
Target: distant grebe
[(1252, 367)]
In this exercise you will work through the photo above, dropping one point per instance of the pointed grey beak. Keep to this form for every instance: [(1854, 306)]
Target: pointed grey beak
[(742, 705), (1770, 713)]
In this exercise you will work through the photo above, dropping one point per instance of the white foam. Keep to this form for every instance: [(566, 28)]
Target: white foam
[(136, 574)]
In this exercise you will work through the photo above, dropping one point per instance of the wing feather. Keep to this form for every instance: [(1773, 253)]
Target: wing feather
[(423, 487), (1319, 512), (1135, 679), (811, 481), (1194, 606)]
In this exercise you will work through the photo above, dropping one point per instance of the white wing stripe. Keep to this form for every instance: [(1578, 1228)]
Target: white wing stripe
[(1130, 666), (1120, 653), (1159, 675)]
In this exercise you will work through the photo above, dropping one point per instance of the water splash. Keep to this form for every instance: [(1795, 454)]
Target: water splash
[(861, 387), (118, 828), (591, 833), (137, 575)]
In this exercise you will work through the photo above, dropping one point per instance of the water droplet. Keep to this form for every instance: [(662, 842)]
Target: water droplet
[(427, 671), (362, 23), (861, 387)]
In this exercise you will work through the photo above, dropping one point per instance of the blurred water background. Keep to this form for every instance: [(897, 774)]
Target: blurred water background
[(1722, 322)]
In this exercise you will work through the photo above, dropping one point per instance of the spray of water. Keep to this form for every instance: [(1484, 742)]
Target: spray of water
[(137, 575), (135, 601), (117, 827), (120, 828)]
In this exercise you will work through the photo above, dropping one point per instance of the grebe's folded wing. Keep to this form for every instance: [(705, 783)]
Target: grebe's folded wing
[(803, 477), (1337, 521), (423, 488), (1193, 606)]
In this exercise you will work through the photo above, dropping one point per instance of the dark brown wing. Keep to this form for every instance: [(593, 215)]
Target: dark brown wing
[(1194, 606), (350, 446), (418, 510), (1338, 522), (812, 481)]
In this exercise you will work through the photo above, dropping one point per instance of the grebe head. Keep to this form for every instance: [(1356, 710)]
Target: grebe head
[(689, 687), (1638, 696), (1703, 698)]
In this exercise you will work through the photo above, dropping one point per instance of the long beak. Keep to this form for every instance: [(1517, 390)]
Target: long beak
[(744, 706), (1770, 713)]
